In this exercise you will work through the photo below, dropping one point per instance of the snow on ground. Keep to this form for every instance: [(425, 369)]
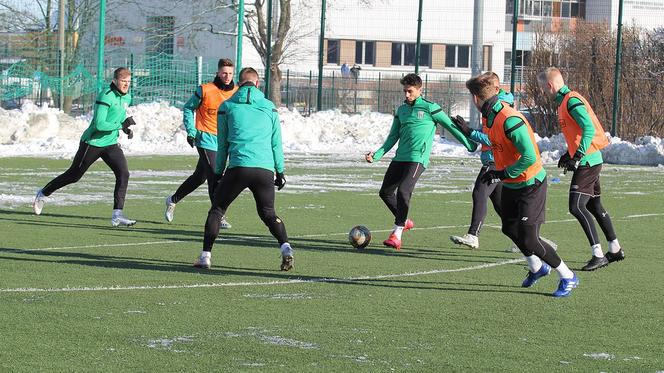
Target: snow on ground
[(43, 131)]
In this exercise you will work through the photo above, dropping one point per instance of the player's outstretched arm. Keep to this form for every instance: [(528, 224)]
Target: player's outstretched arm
[(442, 119), (391, 139), (277, 147), (222, 141)]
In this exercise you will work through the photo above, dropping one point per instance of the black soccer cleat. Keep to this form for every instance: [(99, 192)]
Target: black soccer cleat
[(286, 263), (615, 257), (595, 263)]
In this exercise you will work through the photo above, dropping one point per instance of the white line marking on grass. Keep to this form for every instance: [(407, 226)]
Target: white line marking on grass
[(100, 245), (641, 216), (265, 283)]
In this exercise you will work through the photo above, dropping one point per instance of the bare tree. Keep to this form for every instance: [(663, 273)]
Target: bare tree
[(586, 56), (192, 21), (282, 39), (35, 27)]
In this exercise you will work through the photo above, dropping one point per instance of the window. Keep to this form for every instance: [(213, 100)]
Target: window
[(548, 8), (365, 52), (409, 54), (457, 56), (160, 34), (333, 51), (403, 54), (396, 53), (425, 55), (522, 58), (463, 56)]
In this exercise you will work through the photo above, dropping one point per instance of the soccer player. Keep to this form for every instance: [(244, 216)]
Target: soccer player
[(585, 137), (414, 126), (100, 140), (248, 154), (481, 191), (523, 200), (202, 134)]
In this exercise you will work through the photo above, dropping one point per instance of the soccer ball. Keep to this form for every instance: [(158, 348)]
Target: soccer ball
[(359, 236)]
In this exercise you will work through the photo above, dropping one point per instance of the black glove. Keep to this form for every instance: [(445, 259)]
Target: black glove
[(280, 180), (493, 176), (130, 133), (573, 163), (191, 141), (462, 125), (563, 159), (129, 121)]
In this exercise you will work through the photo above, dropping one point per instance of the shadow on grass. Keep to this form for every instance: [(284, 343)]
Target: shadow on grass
[(124, 262)]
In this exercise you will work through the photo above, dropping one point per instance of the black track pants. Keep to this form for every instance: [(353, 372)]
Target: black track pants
[(204, 172), (261, 184), (85, 156), (482, 192), (398, 184)]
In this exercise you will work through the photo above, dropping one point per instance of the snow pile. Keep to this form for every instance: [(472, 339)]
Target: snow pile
[(647, 150), (43, 131), (334, 132)]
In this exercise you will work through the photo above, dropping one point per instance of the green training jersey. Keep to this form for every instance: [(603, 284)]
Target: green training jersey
[(249, 132), (414, 126), (109, 113)]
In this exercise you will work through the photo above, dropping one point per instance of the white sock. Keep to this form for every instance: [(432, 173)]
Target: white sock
[(614, 246), (206, 254), (398, 231), (534, 263), (597, 250), (40, 194), (170, 199), (117, 212), (286, 249), (564, 271)]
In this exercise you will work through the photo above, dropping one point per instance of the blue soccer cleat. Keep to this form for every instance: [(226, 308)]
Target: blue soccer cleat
[(565, 287), (531, 278)]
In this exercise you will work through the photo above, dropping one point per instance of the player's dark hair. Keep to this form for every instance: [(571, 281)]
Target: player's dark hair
[(224, 62), (121, 72), (412, 80)]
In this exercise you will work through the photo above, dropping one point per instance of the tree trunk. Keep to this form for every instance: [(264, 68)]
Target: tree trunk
[(275, 85)]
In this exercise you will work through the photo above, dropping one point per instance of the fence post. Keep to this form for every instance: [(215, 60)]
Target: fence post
[(515, 23), (199, 70), (131, 69), (309, 91), (334, 102), (321, 45), (449, 93), (100, 45), (379, 91), (616, 76), (287, 88), (355, 96)]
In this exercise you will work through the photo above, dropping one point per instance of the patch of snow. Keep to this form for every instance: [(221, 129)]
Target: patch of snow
[(600, 356), (42, 131)]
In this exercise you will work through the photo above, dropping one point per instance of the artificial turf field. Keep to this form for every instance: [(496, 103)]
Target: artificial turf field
[(78, 295)]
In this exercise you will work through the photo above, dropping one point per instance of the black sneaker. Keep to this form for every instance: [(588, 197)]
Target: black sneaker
[(615, 257), (595, 263)]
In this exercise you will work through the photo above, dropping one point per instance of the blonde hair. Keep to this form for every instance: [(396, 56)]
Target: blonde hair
[(482, 86), (550, 74)]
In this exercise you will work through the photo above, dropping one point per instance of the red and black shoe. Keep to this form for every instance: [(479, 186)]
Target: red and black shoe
[(393, 241)]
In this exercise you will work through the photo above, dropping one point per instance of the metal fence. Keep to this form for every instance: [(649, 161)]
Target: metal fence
[(548, 32)]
